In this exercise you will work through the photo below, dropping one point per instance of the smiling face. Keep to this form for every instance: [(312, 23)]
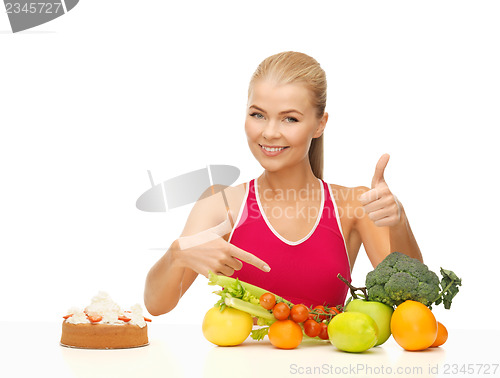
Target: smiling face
[(280, 124)]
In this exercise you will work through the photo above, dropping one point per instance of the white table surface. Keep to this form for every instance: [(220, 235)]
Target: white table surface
[(33, 349)]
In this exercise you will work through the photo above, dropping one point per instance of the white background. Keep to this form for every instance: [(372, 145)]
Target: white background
[(90, 101)]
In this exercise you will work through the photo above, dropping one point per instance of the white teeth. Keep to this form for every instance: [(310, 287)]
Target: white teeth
[(273, 149)]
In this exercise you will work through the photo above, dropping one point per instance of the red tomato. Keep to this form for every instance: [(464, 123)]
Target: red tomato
[(267, 300), (324, 331), (312, 328), (334, 311), (319, 310), (299, 313), (281, 311)]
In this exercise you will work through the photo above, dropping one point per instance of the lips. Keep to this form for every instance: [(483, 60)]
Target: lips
[(272, 150)]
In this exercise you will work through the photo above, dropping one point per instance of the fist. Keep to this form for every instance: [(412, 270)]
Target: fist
[(381, 206)]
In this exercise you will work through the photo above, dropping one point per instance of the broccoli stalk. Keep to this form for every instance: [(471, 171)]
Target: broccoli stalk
[(353, 289)]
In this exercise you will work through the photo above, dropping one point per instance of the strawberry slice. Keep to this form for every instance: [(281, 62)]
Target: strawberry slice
[(94, 318)]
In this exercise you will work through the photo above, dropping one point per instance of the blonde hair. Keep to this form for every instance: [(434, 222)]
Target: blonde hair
[(295, 67)]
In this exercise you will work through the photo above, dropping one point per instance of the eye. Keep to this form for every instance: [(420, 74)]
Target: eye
[(257, 115), (291, 119)]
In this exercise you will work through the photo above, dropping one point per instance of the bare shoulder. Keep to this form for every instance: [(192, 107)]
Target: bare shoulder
[(211, 208), (347, 195), (236, 192), (349, 210)]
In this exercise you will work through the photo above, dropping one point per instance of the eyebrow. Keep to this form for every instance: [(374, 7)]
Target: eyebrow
[(283, 112)]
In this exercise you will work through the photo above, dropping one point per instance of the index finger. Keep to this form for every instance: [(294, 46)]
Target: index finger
[(249, 258), (369, 196)]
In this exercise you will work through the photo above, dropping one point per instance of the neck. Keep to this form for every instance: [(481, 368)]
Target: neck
[(292, 178)]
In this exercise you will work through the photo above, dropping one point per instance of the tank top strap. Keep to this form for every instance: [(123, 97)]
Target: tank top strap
[(328, 200)]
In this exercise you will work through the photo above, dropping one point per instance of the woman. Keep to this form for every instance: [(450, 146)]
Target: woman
[(293, 233)]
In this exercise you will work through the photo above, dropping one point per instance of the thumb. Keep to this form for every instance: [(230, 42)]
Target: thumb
[(378, 176)]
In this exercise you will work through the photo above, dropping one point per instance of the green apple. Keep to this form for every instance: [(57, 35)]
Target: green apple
[(353, 332), (379, 312)]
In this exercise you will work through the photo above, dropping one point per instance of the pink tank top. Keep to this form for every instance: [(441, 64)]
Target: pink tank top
[(303, 271)]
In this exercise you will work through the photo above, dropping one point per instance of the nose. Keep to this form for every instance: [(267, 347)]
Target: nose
[(271, 130)]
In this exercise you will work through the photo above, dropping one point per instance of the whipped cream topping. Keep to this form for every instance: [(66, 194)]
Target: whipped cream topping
[(103, 305), (78, 317), (136, 316)]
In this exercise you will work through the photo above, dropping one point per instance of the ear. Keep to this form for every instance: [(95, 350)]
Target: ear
[(321, 127)]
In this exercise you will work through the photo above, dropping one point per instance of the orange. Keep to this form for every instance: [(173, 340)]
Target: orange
[(414, 326), (441, 337), (285, 334)]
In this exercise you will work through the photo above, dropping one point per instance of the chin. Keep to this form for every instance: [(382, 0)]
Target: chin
[(271, 166)]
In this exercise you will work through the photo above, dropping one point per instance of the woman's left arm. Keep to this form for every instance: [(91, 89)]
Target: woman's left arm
[(385, 220)]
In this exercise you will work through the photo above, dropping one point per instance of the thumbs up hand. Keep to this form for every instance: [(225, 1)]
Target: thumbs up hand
[(382, 207)]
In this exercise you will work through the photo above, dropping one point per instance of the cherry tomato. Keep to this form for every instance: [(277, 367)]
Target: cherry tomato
[(334, 311), (312, 328), (319, 310), (267, 300), (324, 331), (299, 313), (281, 311)]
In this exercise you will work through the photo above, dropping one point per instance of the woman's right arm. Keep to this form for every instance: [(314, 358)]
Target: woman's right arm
[(177, 269), (164, 282)]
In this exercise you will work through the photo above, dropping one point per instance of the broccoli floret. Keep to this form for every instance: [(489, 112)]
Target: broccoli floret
[(377, 293), (379, 277), (401, 287), (393, 258), (426, 290), (399, 278)]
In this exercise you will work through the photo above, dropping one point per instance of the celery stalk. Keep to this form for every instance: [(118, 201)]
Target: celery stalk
[(250, 308), (256, 291)]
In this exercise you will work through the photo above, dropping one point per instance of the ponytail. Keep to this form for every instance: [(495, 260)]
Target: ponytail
[(316, 156)]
